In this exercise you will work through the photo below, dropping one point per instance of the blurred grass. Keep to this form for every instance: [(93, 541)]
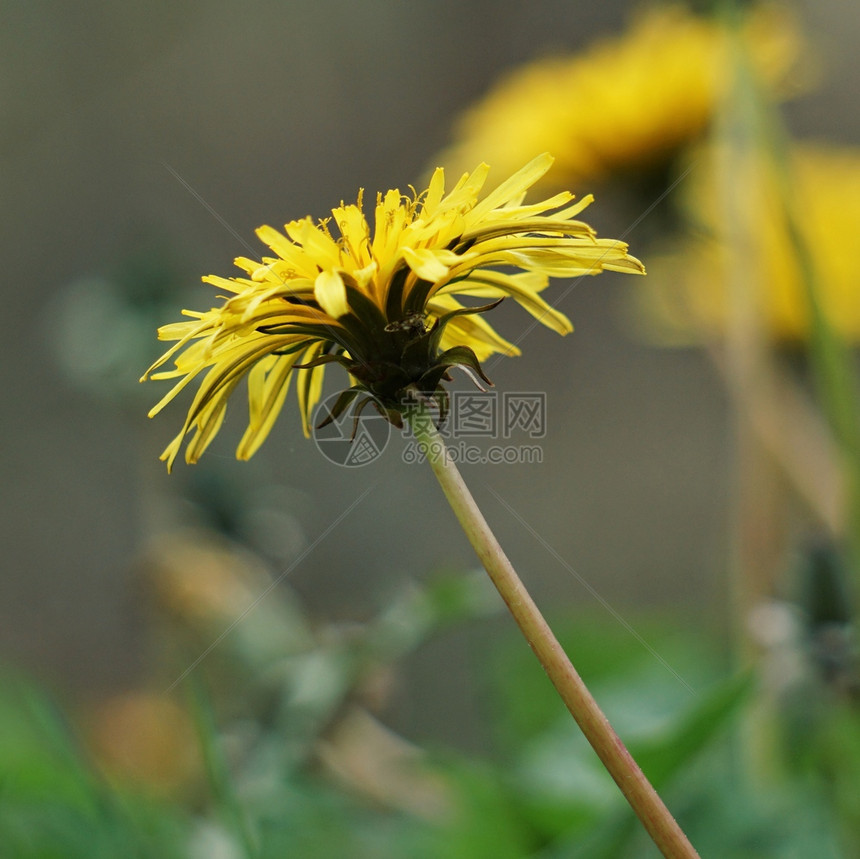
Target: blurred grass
[(54, 803), (540, 791)]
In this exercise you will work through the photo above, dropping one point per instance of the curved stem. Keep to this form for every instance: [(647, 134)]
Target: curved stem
[(647, 805)]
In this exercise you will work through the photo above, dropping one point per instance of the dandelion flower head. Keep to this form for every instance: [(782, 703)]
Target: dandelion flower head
[(380, 297), (623, 103)]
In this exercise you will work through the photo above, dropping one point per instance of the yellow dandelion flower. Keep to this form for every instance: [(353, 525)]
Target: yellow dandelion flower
[(623, 103), (383, 301), (687, 298)]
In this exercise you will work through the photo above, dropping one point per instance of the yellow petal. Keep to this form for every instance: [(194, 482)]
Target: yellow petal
[(520, 182), (435, 191), (330, 292), (425, 263), (267, 390)]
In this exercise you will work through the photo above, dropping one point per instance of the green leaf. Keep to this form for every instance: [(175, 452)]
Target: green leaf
[(662, 757), (462, 356), (442, 321), (325, 359), (394, 300), (341, 404)]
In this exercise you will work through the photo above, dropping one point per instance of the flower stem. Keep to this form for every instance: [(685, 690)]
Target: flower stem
[(647, 805)]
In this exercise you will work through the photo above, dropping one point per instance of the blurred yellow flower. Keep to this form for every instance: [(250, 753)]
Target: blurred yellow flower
[(625, 102), (687, 300), (381, 302), (198, 578), (144, 736)]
